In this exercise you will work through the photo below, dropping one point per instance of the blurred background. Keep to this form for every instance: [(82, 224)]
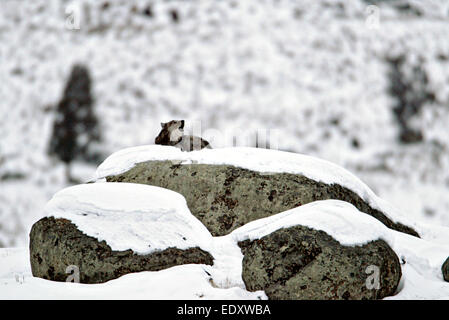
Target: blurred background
[(364, 84)]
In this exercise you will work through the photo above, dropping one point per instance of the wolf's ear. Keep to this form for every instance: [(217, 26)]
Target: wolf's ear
[(162, 124)]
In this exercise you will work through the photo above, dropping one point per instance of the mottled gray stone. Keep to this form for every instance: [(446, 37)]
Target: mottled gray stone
[(56, 244), (302, 263), (225, 197)]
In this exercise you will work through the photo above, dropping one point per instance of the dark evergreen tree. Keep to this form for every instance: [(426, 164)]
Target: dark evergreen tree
[(75, 126), (409, 88)]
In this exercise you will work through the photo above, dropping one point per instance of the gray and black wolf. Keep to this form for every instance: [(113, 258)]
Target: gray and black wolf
[(172, 134)]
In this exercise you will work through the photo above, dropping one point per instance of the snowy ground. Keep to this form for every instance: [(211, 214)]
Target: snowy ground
[(146, 218), (16, 282), (421, 278)]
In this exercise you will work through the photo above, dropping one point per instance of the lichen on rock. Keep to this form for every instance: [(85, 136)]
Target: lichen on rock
[(225, 197), (303, 263), (56, 244)]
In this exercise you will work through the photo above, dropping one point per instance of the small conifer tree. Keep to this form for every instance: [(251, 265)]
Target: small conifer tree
[(75, 126)]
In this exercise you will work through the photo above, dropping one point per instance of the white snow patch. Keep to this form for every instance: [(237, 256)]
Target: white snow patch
[(420, 259), (130, 216), (339, 219), (186, 282), (416, 286)]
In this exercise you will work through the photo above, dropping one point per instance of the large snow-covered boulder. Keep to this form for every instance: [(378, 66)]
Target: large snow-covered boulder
[(229, 187), (323, 250), (105, 230)]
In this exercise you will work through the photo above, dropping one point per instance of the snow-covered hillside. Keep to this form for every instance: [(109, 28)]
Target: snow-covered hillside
[(316, 73)]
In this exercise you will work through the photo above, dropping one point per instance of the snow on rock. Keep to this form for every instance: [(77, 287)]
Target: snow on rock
[(256, 159), (421, 259), (227, 64), (339, 219), (130, 216)]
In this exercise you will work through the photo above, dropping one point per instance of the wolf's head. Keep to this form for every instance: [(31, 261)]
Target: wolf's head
[(171, 132)]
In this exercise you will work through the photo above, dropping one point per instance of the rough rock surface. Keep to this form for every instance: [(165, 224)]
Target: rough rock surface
[(56, 244), (302, 263), (445, 270), (225, 197)]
